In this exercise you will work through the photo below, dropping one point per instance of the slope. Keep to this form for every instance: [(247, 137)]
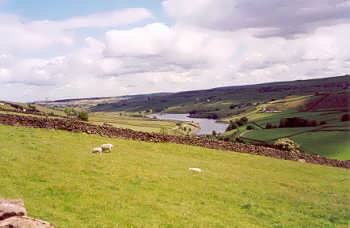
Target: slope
[(143, 183)]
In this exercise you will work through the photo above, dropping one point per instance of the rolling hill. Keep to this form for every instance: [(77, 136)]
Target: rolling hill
[(225, 101), (142, 183)]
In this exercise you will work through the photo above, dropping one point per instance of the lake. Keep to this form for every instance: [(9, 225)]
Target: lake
[(207, 126)]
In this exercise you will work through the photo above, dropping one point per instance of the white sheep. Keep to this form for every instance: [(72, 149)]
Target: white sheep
[(197, 170), (107, 147), (97, 150)]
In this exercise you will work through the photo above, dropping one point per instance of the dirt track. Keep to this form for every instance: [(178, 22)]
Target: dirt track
[(78, 126)]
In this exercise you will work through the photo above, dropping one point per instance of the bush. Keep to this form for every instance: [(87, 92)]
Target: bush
[(71, 112), (32, 107), (231, 126), (84, 116), (250, 127), (323, 122), (239, 123), (244, 119), (297, 122), (269, 126), (233, 106), (287, 144), (345, 117)]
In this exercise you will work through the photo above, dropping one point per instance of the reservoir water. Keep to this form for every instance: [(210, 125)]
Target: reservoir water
[(207, 126)]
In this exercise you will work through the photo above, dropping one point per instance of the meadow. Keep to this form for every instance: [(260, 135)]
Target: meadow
[(149, 184)]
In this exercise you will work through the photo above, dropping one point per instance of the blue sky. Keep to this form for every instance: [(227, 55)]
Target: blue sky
[(86, 48), (60, 9)]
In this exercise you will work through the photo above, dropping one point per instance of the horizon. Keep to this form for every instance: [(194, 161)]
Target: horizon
[(184, 91), (121, 48)]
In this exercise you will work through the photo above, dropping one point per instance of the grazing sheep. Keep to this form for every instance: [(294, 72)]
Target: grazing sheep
[(107, 147), (97, 150), (198, 170)]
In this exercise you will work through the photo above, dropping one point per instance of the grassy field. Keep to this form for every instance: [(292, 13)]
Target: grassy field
[(270, 135), (331, 144), (146, 184), (139, 123), (331, 139), (335, 144)]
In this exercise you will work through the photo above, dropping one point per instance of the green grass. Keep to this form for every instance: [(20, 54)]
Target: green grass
[(268, 135), (148, 184), (47, 110), (330, 144)]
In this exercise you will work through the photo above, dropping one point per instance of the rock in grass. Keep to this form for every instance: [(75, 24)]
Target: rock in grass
[(14, 214), (25, 222), (10, 208)]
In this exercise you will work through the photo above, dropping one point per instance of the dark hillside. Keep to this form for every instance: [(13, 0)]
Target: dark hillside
[(226, 101)]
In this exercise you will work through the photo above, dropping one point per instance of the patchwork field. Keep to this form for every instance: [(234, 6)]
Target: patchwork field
[(140, 183), (140, 123), (331, 139)]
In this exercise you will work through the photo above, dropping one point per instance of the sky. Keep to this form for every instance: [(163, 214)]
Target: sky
[(77, 48)]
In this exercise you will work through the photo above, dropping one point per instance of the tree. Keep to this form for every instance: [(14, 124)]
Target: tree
[(250, 127), (239, 123), (244, 119), (233, 106), (84, 116), (345, 117), (214, 133), (287, 144), (269, 126), (231, 126), (189, 131), (70, 112)]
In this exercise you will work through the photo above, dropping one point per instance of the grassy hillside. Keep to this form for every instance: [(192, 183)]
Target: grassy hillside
[(141, 183)]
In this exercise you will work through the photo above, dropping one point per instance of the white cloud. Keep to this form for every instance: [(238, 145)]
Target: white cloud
[(198, 51), (25, 36), (271, 17), (160, 48)]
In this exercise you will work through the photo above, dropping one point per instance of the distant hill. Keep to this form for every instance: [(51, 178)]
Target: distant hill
[(224, 101)]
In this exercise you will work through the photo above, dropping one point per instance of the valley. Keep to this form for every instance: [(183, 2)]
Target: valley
[(320, 101)]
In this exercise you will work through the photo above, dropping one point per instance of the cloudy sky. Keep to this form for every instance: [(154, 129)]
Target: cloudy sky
[(77, 48)]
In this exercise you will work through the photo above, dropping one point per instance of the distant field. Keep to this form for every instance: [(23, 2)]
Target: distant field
[(331, 140), (138, 123), (141, 184), (273, 134), (330, 144), (333, 144)]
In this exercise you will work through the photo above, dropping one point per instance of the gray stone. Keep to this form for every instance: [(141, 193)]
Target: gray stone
[(24, 222), (10, 208)]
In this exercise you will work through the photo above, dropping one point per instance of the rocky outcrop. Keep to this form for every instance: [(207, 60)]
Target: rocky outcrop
[(14, 215), (108, 131)]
